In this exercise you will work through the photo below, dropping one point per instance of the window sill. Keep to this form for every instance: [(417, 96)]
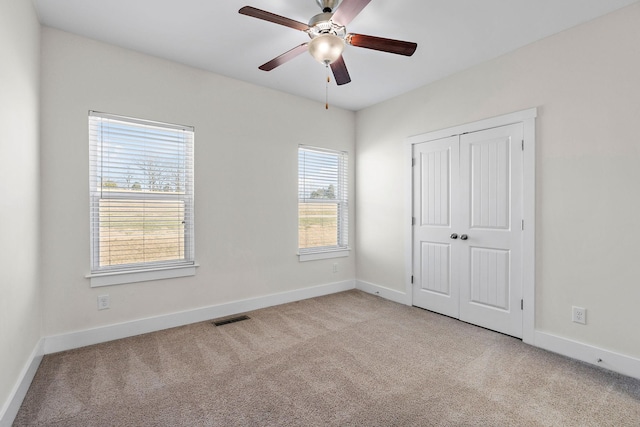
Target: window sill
[(122, 277), (312, 256)]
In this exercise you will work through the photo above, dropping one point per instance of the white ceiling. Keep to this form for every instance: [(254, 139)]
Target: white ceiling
[(210, 34)]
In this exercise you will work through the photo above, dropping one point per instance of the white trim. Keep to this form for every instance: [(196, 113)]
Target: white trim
[(504, 120), (408, 222), (312, 256), (101, 334), (122, 277), (527, 118), (606, 359), (529, 232), (386, 293), (625, 365), (12, 405), (142, 122), (319, 169), (177, 141)]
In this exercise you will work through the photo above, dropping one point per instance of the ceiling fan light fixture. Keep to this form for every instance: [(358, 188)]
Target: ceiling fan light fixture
[(329, 37), (326, 48)]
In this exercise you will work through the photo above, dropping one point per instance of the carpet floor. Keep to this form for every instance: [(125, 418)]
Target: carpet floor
[(347, 359)]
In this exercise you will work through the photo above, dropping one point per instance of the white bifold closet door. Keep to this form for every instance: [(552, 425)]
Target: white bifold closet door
[(467, 235)]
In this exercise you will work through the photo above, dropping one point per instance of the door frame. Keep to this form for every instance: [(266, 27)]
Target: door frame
[(527, 118)]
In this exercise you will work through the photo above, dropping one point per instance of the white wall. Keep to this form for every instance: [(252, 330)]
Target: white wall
[(20, 319), (585, 83), (246, 181)]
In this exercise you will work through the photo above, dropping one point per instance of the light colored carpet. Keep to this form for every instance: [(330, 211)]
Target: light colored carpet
[(349, 359)]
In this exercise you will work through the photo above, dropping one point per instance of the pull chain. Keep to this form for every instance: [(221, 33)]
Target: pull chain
[(326, 95)]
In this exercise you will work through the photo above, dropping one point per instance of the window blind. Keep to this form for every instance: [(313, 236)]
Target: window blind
[(322, 200), (141, 194)]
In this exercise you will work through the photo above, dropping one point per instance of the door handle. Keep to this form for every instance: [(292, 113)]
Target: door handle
[(464, 237), (454, 236)]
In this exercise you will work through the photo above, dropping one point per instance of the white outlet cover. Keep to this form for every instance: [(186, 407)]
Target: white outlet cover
[(579, 315), (103, 302)]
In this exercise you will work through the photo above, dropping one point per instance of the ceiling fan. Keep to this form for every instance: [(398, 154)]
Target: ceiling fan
[(328, 34)]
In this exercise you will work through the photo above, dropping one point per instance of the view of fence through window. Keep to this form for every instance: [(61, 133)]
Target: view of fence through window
[(317, 225), (141, 192), (137, 231), (322, 199)]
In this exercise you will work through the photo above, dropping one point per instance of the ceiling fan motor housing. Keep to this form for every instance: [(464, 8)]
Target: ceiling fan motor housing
[(322, 24)]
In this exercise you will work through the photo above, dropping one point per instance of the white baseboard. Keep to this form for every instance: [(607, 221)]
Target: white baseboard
[(11, 407), (625, 365), (386, 293), (607, 359), (68, 341), (616, 362)]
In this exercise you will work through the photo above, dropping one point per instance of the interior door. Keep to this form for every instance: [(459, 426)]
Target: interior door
[(491, 202), (436, 182), (467, 240)]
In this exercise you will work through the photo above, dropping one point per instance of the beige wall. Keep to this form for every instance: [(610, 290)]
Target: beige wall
[(20, 319), (246, 181), (585, 83)]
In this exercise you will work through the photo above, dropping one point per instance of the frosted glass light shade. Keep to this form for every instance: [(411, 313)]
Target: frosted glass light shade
[(326, 48)]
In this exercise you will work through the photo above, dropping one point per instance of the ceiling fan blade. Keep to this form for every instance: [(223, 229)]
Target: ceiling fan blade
[(272, 17), (385, 45), (287, 56), (349, 9), (340, 72)]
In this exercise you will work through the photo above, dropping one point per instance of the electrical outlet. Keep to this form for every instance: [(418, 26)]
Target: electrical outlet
[(335, 267), (579, 315), (103, 302)]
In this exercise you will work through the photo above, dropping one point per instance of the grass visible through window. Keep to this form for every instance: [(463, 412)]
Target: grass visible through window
[(317, 225), (136, 231)]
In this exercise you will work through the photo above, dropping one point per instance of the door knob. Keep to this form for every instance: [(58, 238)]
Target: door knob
[(464, 237), (454, 236)]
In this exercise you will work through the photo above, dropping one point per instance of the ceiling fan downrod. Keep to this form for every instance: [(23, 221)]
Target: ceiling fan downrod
[(328, 6)]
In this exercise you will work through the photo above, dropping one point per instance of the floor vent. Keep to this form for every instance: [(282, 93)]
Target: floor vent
[(230, 320)]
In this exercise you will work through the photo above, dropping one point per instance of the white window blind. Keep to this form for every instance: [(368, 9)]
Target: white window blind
[(323, 208), (141, 194)]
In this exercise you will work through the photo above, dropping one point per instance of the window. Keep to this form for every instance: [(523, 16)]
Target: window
[(322, 203), (141, 199)]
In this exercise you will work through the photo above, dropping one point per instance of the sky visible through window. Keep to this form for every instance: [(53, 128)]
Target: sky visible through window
[(140, 158), (318, 173)]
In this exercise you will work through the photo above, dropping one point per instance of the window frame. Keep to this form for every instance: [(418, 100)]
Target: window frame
[(341, 249), (140, 271)]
